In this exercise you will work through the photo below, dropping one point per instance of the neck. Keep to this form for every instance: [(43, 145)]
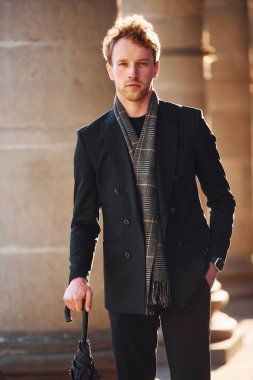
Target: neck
[(136, 108)]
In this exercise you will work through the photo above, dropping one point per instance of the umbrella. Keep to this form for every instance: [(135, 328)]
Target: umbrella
[(82, 365)]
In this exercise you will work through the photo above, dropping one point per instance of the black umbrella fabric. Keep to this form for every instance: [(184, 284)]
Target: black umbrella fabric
[(82, 365)]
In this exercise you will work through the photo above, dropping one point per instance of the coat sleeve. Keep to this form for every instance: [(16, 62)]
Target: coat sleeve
[(216, 188), (84, 225)]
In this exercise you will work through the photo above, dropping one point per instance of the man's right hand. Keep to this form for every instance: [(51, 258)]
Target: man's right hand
[(76, 293)]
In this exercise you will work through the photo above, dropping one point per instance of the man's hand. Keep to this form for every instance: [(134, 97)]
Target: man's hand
[(210, 275), (78, 291)]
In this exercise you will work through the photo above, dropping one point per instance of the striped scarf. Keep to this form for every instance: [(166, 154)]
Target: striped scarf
[(143, 157)]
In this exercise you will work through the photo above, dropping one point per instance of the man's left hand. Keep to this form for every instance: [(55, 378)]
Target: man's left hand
[(210, 275)]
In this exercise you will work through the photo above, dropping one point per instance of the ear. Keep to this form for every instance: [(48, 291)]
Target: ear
[(109, 70), (156, 70)]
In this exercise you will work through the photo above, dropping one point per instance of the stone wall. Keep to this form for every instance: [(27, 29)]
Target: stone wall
[(53, 80)]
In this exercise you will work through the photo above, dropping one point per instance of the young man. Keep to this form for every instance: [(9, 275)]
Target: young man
[(138, 162)]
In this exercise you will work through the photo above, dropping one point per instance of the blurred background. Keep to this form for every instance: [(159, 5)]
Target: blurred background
[(52, 82)]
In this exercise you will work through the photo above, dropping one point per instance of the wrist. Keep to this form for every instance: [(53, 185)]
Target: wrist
[(80, 280), (213, 268)]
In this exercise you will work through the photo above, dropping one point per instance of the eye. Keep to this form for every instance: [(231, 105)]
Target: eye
[(143, 63), (123, 64)]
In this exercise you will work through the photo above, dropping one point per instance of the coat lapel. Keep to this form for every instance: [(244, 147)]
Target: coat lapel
[(121, 160), (167, 152)]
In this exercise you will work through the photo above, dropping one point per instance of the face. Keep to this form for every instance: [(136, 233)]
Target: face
[(132, 69)]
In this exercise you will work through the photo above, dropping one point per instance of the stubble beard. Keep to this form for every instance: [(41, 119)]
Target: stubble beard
[(134, 95)]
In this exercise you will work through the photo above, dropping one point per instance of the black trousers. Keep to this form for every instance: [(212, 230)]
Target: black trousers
[(186, 338)]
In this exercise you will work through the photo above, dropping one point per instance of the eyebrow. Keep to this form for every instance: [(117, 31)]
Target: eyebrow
[(138, 60)]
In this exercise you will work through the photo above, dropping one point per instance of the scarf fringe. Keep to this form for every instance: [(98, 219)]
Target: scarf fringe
[(159, 295)]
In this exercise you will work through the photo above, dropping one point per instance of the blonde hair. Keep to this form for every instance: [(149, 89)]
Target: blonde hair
[(137, 29)]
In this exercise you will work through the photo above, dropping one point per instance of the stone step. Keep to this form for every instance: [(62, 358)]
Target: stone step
[(222, 326), (219, 299)]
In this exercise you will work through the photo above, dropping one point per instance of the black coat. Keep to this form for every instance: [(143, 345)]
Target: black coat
[(104, 178)]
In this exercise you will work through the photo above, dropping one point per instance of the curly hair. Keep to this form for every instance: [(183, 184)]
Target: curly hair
[(137, 29)]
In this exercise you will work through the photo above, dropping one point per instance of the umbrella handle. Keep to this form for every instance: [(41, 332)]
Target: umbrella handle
[(68, 318), (84, 332), (67, 314)]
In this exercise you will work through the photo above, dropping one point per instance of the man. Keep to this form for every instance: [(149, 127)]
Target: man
[(138, 163)]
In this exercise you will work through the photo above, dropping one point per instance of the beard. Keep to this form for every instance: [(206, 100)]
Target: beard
[(134, 94)]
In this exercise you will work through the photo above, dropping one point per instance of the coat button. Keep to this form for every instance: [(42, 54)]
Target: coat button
[(127, 255), (172, 210), (117, 191), (126, 221), (175, 178), (180, 242)]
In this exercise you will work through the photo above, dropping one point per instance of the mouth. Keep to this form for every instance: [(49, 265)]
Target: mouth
[(133, 85)]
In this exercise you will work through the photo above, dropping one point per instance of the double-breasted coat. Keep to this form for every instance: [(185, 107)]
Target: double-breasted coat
[(104, 178)]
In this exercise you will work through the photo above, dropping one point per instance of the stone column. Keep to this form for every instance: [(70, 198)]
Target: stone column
[(53, 80), (228, 109), (250, 16)]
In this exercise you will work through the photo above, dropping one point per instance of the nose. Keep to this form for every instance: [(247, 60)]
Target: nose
[(132, 71)]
